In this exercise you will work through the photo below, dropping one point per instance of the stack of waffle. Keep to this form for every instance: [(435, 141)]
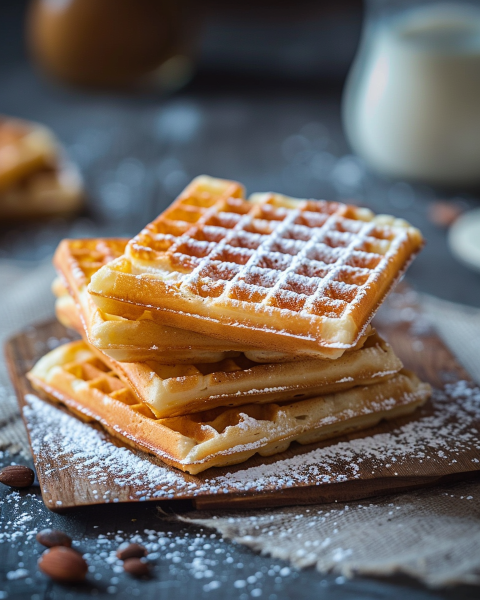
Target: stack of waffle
[(230, 327), (36, 179)]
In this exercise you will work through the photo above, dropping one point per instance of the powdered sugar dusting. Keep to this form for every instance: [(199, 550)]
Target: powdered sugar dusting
[(87, 451), (425, 439), (448, 434)]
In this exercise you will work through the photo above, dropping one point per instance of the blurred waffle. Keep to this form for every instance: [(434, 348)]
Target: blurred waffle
[(35, 178), (274, 272), (139, 339), (75, 377), (25, 148)]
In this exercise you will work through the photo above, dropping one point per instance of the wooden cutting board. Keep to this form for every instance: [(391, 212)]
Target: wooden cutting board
[(78, 464)]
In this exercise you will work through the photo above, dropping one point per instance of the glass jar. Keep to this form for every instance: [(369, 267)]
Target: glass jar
[(411, 103)]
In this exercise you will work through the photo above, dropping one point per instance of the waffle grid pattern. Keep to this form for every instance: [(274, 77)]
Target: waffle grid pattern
[(302, 256), (98, 376), (88, 256)]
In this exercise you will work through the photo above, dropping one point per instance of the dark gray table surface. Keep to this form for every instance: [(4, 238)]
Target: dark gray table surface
[(188, 562), (136, 153)]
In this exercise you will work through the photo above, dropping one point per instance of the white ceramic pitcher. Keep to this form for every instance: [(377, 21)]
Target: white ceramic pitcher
[(412, 100)]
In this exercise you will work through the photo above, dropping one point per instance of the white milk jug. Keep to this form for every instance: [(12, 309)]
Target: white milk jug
[(412, 99)]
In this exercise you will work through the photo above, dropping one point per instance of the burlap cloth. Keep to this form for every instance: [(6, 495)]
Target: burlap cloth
[(433, 535)]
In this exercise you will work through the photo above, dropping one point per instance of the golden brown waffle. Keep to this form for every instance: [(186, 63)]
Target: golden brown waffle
[(177, 389), (173, 390), (222, 436), (274, 272), (35, 178), (141, 339)]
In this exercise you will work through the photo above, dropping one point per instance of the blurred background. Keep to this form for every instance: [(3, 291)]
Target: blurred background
[(376, 104)]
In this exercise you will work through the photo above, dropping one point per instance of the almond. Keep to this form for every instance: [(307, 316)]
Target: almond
[(443, 213), (63, 564), (136, 567), (127, 550), (17, 476), (53, 537)]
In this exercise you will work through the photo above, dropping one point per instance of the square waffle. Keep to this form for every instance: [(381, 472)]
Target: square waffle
[(173, 390), (35, 179), (72, 375), (274, 272), (139, 339)]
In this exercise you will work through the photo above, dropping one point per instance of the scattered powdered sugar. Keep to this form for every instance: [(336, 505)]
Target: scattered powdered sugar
[(449, 427), (447, 434), (174, 551), (378, 374), (20, 528), (255, 392), (93, 457)]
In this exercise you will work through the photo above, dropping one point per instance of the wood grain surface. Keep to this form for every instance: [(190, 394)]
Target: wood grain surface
[(64, 471)]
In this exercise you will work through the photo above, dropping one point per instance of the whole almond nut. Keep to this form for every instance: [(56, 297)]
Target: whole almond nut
[(443, 213), (136, 567), (127, 550), (63, 565), (53, 537), (17, 476)]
